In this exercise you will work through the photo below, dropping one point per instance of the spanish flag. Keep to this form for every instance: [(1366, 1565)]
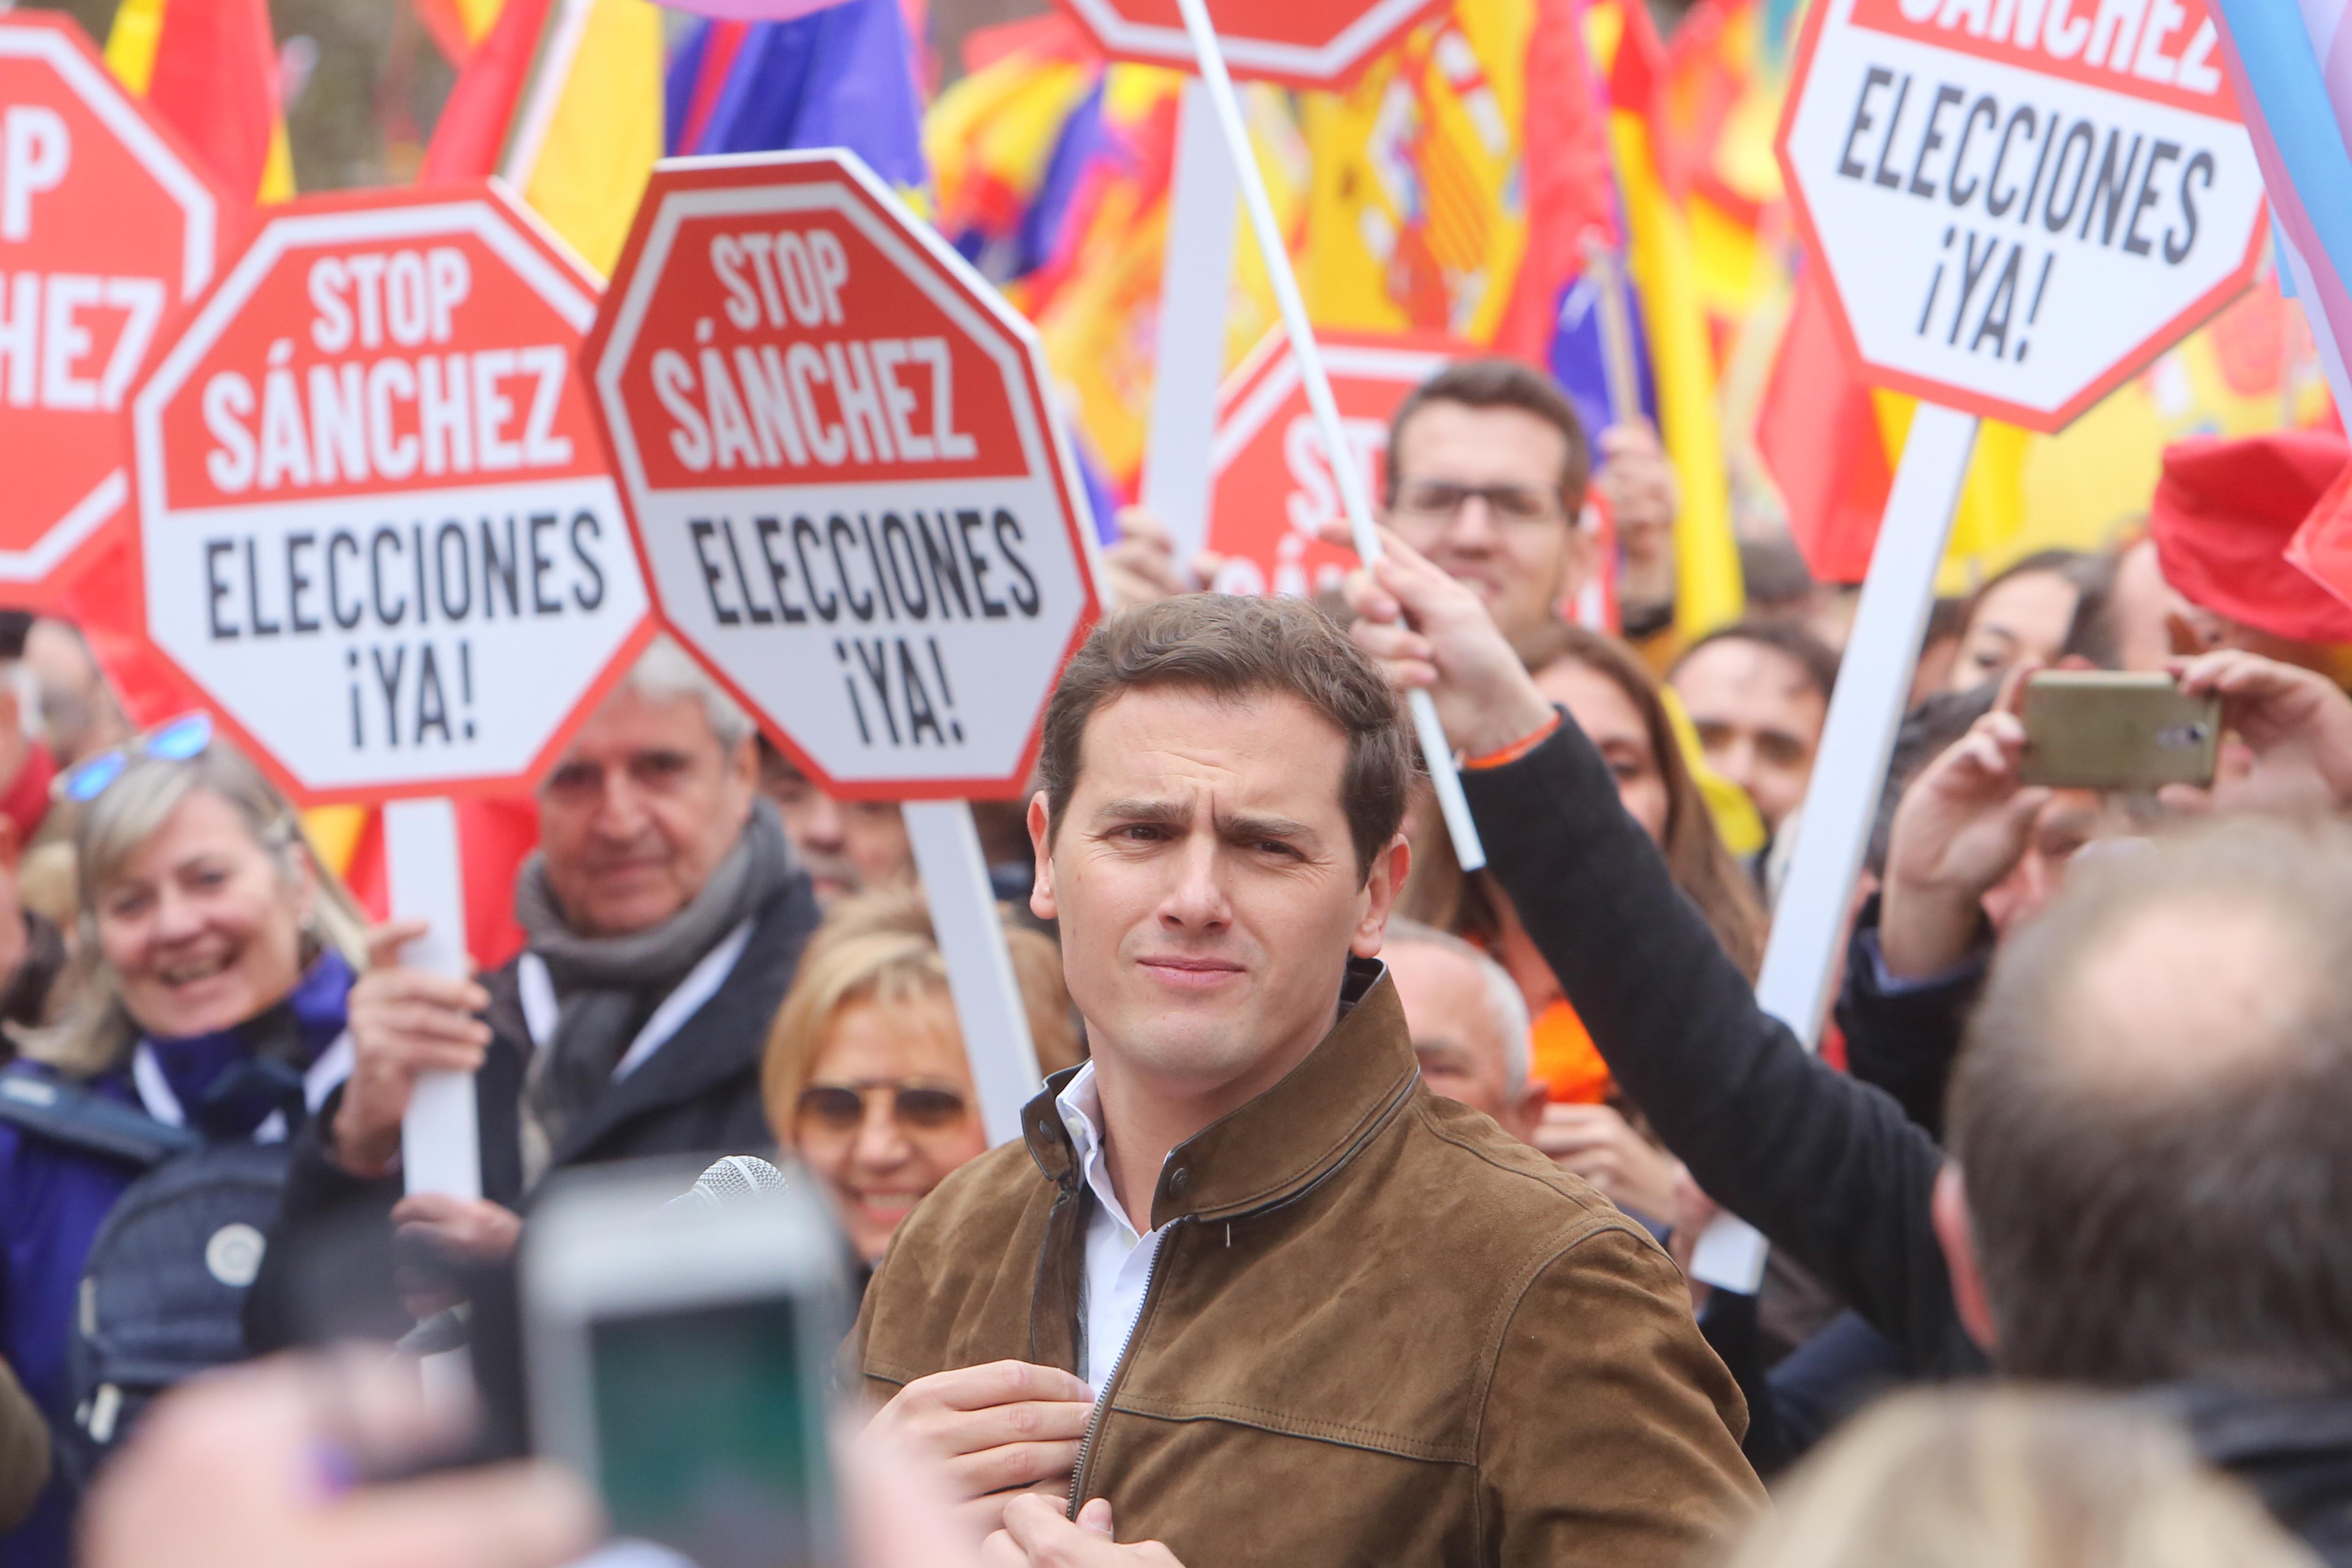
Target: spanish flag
[(1664, 268), (563, 98), (209, 70)]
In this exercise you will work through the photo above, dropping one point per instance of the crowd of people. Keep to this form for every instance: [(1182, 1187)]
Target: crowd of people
[(1352, 1221)]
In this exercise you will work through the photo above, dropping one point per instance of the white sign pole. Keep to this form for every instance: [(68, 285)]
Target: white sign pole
[(1189, 356), (1435, 752), (440, 1147), (980, 967), (1842, 801)]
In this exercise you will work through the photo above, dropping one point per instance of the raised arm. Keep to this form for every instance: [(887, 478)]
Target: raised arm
[(1830, 1169)]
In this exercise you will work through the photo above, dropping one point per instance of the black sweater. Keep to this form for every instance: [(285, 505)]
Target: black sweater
[(1830, 1169)]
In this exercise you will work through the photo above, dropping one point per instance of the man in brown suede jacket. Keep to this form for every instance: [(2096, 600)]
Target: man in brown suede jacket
[(1247, 1290)]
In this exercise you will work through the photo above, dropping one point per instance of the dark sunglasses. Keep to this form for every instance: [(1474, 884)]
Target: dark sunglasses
[(173, 740), (841, 1107)]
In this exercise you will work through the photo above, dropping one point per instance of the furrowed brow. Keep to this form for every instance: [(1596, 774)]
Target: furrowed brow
[(1241, 828), (1165, 812)]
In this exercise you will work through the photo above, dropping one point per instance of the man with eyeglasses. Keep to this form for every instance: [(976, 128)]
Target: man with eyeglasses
[(1487, 465)]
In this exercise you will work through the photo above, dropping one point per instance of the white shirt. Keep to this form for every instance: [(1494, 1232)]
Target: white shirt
[(1119, 1261)]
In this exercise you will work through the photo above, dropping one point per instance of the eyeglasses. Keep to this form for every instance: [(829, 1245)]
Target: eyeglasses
[(840, 1107), (1440, 501), (173, 741)]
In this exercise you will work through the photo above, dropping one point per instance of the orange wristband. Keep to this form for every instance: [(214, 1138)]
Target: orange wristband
[(1516, 749)]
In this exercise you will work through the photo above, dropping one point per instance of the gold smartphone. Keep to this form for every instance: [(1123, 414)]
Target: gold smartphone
[(2117, 729)]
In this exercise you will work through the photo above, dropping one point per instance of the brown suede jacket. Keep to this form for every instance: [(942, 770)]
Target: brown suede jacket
[(1379, 1331)]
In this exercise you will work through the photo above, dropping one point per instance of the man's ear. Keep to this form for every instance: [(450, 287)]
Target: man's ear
[(1956, 1235), (1041, 840), (1390, 867)]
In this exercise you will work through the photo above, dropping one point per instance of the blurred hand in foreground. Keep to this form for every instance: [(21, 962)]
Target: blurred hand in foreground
[(1037, 1534), (1428, 632), (254, 1469), (1141, 567)]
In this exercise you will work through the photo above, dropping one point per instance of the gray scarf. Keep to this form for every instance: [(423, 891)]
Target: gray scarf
[(607, 986)]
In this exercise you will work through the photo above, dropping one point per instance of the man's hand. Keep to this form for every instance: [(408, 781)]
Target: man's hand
[(2296, 724), (402, 1022), (1637, 480), (990, 1430), (1427, 631), (1597, 1143), (1036, 1535), (1963, 824), (253, 1468)]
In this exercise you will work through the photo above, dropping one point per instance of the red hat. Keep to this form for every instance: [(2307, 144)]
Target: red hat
[(2221, 518)]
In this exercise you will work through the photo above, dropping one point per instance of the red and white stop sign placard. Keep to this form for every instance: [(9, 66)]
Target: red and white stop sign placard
[(375, 520), (1303, 43), (2020, 203), (853, 501), (106, 230), (1273, 489)]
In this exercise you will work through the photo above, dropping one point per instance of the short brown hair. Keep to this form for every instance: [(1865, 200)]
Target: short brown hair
[(1230, 647), (2137, 1227), (1501, 384)]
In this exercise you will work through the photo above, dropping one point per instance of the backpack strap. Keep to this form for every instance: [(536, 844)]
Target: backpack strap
[(69, 1114)]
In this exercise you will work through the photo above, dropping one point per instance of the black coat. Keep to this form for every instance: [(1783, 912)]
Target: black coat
[(1832, 1169), (326, 1272)]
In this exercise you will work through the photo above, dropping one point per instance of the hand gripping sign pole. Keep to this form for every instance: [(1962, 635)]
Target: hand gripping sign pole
[(1434, 750)]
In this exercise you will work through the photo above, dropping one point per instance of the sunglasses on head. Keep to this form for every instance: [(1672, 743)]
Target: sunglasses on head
[(173, 740), (841, 1107)]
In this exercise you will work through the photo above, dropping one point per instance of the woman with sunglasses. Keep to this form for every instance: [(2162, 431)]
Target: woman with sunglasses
[(206, 995), (866, 1079)]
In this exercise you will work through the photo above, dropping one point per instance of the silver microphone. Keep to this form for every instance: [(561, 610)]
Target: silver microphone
[(737, 1179)]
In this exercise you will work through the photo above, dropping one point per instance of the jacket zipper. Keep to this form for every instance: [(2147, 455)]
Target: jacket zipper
[(1151, 1276), (1118, 1370)]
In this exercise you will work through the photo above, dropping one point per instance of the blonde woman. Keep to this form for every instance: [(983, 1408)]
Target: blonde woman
[(2014, 1477), (205, 1011), (866, 1079)]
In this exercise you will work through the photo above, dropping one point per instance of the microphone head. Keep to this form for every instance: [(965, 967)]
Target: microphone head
[(738, 1178)]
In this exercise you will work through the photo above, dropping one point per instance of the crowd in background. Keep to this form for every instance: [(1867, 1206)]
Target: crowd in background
[(2137, 1077)]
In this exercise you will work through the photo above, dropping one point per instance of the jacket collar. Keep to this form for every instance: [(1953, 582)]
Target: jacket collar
[(1287, 1138)]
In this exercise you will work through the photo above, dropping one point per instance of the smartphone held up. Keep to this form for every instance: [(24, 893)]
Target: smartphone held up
[(2118, 730), (679, 1353)]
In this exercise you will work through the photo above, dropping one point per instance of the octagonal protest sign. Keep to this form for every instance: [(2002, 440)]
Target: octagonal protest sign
[(107, 231), (375, 525), (1272, 487), (2019, 203), (1299, 43), (854, 501)]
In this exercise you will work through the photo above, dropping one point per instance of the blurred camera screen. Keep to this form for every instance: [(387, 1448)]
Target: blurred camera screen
[(705, 1435)]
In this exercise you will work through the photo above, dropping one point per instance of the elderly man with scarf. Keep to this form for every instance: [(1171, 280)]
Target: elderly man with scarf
[(666, 916)]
